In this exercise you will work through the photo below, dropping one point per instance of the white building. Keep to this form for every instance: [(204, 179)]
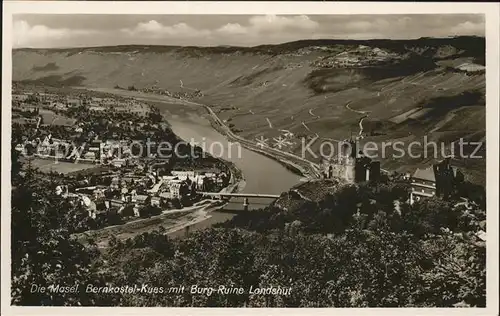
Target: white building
[(155, 201), (90, 155), (97, 108), (118, 162), (199, 181), (169, 178), (175, 189), (19, 97), (183, 175)]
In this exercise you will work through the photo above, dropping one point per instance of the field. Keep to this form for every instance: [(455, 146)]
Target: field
[(51, 118), (48, 165)]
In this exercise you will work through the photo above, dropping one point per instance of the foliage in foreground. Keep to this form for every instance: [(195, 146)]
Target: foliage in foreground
[(345, 251)]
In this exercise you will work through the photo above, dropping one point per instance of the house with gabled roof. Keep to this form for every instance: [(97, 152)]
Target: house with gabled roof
[(437, 180), (423, 184)]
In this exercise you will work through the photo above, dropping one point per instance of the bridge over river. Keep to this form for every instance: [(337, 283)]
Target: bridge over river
[(245, 196)]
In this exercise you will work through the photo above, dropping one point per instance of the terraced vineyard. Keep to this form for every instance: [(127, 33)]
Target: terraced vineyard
[(428, 87)]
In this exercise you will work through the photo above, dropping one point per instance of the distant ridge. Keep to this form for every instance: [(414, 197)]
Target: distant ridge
[(461, 41)]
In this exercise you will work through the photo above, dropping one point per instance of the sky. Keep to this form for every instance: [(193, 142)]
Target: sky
[(70, 30)]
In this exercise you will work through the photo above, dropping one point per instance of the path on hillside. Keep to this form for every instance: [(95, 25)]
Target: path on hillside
[(312, 114), (348, 106), (360, 123), (361, 126), (304, 124), (269, 123)]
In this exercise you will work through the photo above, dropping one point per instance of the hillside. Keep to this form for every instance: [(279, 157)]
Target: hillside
[(383, 90)]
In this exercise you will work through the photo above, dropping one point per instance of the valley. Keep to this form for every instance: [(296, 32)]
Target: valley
[(377, 90)]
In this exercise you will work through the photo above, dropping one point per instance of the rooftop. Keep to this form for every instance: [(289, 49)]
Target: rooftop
[(425, 174)]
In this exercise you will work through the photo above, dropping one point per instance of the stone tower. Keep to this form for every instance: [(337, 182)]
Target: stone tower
[(349, 167)]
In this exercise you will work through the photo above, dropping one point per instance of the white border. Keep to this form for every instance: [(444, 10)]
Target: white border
[(491, 11)]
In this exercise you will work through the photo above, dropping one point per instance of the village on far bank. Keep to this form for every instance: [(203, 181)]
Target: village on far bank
[(82, 141)]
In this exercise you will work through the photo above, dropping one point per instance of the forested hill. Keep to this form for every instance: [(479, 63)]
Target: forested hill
[(342, 246)]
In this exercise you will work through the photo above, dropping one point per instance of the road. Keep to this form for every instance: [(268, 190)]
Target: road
[(365, 113), (308, 168), (361, 126), (305, 126), (269, 123)]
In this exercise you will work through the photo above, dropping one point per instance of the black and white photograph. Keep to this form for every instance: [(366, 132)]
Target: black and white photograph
[(236, 160)]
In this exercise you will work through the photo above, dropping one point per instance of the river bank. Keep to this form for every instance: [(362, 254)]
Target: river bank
[(300, 166), (295, 168), (293, 163), (256, 171), (171, 221)]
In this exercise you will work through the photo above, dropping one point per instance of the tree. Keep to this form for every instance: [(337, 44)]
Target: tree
[(43, 252), (429, 215), (457, 272), (149, 210)]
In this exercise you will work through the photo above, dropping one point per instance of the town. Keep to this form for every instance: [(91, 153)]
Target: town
[(86, 144)]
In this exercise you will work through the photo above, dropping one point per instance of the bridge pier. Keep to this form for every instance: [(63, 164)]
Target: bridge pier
[(245, 204)]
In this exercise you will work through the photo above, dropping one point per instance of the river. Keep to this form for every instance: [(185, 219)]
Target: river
[(261, 174)]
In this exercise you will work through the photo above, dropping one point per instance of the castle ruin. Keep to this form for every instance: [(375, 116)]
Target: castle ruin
[(351, 165)]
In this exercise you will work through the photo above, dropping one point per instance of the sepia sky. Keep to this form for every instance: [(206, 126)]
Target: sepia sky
[(71, 30)]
